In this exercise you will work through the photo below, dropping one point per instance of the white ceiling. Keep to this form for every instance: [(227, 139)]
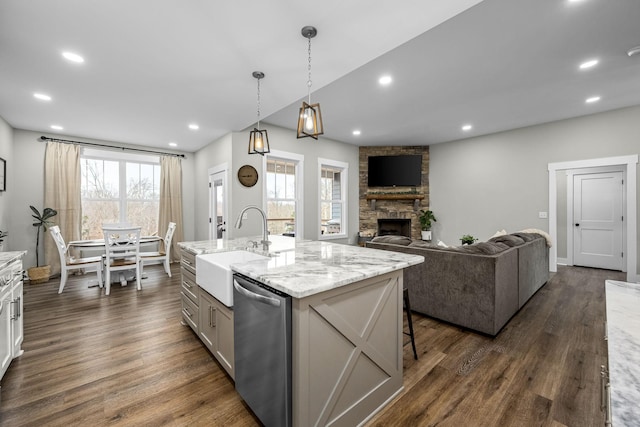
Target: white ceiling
[(154, 66)]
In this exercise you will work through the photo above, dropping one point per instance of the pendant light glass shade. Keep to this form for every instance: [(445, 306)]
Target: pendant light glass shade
[(310, 117), (258, 139), (310, 121), (258, 142)]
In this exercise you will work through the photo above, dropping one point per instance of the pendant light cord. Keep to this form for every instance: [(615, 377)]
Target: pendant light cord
[(309, 81), (258, 103)]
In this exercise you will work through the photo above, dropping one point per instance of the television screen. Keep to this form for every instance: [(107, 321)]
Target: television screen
[(392, 171)]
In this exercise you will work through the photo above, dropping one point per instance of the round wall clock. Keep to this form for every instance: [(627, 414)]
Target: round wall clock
[(247, 175)]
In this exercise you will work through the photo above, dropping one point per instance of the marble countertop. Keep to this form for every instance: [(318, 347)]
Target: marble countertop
[(623, 335), (304, 268), (7, 258)]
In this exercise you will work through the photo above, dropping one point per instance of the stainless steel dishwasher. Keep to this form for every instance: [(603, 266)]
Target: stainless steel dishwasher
[(262, 346)]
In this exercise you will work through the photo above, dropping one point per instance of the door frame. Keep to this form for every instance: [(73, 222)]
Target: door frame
[(221, 168), (631, 249), (570, 201)]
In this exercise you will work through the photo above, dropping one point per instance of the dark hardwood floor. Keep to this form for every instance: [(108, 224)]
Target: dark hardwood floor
[(126, 360)]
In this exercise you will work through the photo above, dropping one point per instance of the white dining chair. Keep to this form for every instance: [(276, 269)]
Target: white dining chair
[(71, 263), (163, 254), (122, 252)]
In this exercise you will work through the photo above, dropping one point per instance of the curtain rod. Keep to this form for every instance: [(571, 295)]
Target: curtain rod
[(66, 141)]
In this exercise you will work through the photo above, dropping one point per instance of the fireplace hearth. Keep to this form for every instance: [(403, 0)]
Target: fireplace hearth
[(394, 227)]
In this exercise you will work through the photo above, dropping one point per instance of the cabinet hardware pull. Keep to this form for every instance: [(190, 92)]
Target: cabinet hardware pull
[(186, 262), (213, 311), (187, 284), (1, 306), (187, 312)]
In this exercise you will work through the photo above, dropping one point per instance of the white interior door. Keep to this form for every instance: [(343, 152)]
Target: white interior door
[(217, 200), (598, 220)]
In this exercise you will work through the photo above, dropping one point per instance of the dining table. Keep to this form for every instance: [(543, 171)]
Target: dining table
[(98, 245)]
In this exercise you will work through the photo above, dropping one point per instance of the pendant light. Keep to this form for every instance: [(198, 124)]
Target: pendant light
[(310, 117), (258, 139)]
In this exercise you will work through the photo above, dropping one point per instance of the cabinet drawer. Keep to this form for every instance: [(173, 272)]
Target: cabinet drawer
[(188, 262), (189, 286), (190, 312)]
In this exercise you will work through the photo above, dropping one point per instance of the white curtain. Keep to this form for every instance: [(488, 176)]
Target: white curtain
[(62, 193), (171, 200)]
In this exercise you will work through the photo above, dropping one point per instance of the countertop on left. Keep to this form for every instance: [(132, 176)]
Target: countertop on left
[(7, 258), (304, 268)]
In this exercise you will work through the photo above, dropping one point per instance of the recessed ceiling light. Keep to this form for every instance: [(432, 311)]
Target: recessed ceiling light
[(592, 99), (73, 57), (467, 128), (633, 51), (57, 127), (173, 144), (589, 64), (194, 126), (42, 96), (356, 132), (385, 80)]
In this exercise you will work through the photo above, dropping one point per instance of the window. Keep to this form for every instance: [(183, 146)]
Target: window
[(282, 194), (333, 198), (119, 188)]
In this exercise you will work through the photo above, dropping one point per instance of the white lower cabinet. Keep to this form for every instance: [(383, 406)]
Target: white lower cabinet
[(11, 309), (6, 341)]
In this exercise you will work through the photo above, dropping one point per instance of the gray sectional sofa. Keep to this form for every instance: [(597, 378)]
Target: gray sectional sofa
[(479, 286)]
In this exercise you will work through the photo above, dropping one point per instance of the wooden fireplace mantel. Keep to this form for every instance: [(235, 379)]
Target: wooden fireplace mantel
[(395, 196)]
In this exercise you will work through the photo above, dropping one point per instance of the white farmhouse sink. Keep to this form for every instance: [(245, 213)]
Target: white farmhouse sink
[(214, 274)]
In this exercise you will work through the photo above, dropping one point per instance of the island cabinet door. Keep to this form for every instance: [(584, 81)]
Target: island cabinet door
[(5, 329), (347, 351), (216, 330)]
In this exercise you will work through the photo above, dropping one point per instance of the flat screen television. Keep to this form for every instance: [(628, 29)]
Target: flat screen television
[(395, 171)]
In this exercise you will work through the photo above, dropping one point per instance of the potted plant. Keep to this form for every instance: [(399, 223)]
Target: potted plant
[(468, 239), (425, 217), (40, 274)]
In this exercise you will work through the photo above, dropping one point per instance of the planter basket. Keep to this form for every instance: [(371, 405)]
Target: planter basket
[(39, 274)]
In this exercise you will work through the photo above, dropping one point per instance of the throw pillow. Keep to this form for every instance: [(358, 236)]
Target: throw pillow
[(442, 244)]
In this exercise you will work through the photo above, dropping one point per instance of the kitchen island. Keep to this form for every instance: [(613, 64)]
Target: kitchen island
[(346, 328)]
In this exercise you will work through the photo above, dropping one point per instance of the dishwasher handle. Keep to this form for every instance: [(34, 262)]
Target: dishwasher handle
[(252, 295)]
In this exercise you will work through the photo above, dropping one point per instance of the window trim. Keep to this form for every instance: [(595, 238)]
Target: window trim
[(298, 159), (344, 181)]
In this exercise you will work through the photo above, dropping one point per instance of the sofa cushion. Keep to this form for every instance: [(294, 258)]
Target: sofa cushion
[(509, 240), (394, 240), (424, 244), (481, 248)]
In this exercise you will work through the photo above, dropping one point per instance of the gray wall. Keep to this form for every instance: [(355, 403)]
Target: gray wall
[(6, 152), (480, 185), (282, 140), (26, 187)]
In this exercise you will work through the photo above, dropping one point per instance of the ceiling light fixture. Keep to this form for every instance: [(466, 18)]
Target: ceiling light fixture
[(385, 80), (56, 127), (310, 117), (173, 144), (194, 126), (592, 99), (356, 132), (467, 128), (42, 96), (258, 139), (589, 64), (73, 57), (634, 51)]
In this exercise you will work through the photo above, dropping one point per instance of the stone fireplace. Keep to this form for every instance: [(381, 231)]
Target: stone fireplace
[(392, 210), (395, 227)]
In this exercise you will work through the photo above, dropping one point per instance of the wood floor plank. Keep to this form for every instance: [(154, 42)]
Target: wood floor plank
[(125, 359)]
